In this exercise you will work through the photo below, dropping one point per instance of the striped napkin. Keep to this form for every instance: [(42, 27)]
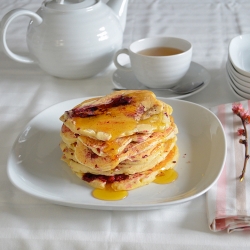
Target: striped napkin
[(228, 201)]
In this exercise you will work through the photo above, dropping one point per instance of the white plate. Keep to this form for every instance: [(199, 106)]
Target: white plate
[(196, 73), (34, 164)]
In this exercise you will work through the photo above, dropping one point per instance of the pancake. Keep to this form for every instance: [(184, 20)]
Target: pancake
[(133, 181), (67, 135), (114, 147), (119, 114), (86, 156), (140, 162), (124, 139)]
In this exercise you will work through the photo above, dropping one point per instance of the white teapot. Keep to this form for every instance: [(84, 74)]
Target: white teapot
[(71, 39)]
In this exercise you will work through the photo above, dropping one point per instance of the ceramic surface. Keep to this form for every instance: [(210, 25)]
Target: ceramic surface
[(34, 164), (239, 51), (236, 74), (72, 41), (196, 73), (239, 93), (157, 71), (237, 84)]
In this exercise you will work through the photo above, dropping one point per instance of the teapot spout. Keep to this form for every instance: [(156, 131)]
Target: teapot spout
[(120, 9)]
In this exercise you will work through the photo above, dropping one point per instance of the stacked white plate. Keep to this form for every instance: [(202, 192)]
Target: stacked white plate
[(238, 65)]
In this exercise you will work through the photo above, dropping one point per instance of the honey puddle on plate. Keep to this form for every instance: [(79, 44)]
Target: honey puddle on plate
[(166, 177), (108, 194)]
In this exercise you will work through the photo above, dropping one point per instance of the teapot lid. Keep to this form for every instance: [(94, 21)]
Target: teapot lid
[(69, 4)]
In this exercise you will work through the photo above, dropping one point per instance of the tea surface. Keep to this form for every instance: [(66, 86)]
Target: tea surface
[(160, 51)]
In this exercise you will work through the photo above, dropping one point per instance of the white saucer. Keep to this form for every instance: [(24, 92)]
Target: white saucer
[(196, 73)]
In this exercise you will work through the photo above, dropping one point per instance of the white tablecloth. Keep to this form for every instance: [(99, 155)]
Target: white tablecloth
[(27, 222)]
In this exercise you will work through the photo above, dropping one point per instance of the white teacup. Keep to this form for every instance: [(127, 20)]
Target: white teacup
[(158, 62)]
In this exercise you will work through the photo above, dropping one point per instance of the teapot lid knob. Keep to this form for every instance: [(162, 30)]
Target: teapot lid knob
[(69, 4)]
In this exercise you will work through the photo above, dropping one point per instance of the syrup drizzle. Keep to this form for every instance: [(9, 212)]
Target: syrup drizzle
[(166, 177), (108, 194)]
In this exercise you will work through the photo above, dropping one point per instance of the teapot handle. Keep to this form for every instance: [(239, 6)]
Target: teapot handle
[(4, 26)]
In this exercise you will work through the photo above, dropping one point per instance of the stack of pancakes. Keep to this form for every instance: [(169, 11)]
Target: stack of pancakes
[(124, 139)]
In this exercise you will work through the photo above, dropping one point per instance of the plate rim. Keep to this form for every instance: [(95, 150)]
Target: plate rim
[(112, 206)]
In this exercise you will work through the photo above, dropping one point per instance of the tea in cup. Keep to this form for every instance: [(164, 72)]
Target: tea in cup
[(158, 62)]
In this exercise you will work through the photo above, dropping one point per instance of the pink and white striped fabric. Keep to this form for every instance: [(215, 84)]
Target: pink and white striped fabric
[(228, 201)]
